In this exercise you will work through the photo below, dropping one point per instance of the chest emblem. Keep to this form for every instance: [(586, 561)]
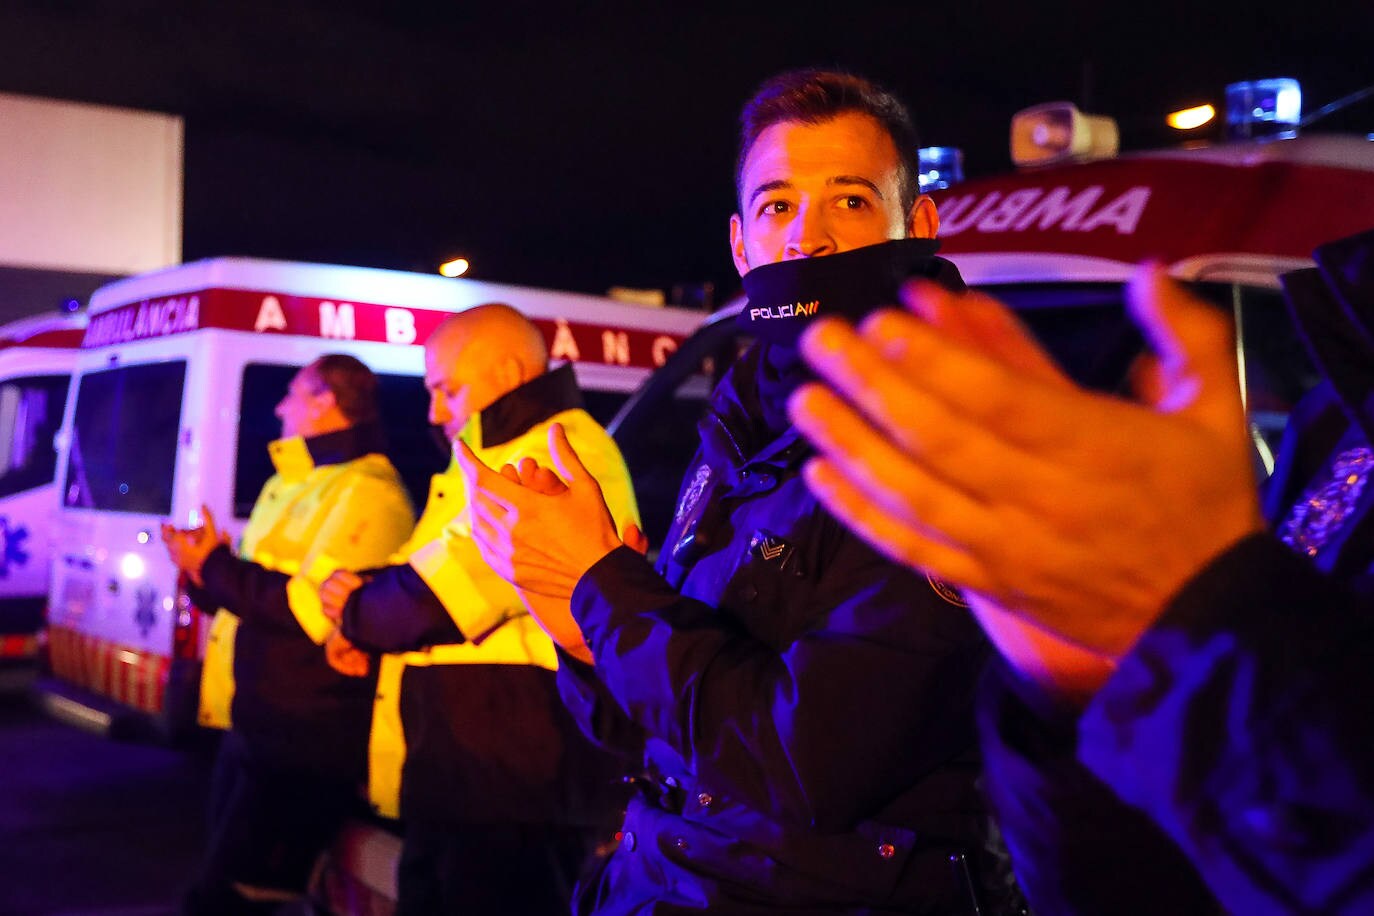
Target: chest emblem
[(772, 549), (946, 591), (700, 481)]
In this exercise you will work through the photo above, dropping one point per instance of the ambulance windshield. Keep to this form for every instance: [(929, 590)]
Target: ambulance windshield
[(124, 439)]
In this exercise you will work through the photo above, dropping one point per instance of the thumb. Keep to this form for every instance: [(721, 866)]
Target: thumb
[(473, 468), (207, 520), (1194, 343), (635, 538), (565, 457)]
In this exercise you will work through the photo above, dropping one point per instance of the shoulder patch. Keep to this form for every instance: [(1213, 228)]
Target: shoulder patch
[(692, 494)]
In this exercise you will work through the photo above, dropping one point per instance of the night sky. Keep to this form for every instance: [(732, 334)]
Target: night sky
[(579, 146)]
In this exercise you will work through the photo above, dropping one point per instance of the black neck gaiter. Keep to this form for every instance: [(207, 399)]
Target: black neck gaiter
[(784, 298)]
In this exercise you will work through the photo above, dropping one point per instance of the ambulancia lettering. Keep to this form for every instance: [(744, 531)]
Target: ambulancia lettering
[(149, 318), (1058, 208), (790, 310)]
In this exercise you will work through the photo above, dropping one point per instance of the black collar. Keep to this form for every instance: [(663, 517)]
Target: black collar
[(346, 444), (746, 423), (518, 410)]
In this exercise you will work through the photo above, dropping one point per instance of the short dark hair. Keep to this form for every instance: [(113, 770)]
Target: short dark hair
[(814, 96), (353, 385)]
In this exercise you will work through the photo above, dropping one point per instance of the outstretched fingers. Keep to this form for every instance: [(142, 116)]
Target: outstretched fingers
[(566, 459), (892, 480), (898, 541)]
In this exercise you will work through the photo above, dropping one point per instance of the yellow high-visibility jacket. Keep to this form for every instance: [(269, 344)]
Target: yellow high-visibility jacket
[(310, 519), (487, 714)]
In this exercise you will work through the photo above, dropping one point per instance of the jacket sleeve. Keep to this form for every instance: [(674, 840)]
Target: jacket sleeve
[(395, 611), (1078, 850), (1240, 725), (595, 711), (477, 599), (791, 732), (367, 521), (251, 591)]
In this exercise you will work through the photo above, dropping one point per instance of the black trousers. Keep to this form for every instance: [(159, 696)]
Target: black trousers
[(268, 824), (499, 869)]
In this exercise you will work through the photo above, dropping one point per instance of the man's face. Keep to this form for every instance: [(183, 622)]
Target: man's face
[(303, 406), (460, 383), (815, 189)]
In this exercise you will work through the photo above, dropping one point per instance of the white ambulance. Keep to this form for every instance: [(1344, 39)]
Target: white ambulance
[(36, 357), (171, 407), (1228, 219)]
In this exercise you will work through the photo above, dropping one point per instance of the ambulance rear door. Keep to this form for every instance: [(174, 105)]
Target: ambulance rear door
[(114, 589), (34, 376)]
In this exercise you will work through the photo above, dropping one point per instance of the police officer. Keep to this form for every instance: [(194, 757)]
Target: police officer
[(470, 745), (802, 706), (294, 754)]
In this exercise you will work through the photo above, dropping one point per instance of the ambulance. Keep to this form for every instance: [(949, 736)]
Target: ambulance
[(171, 407), (1059, 238), (36, 358)]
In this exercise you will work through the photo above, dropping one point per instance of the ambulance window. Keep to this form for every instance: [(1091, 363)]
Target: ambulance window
[(656, 428), (1278, 369), (30, 414), (418, 450), (411, 444), (124, 439), (1086, 328), (603, 405), (264, 385), (1083, 325)]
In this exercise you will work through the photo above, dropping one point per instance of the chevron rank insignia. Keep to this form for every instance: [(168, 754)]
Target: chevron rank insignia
[(770, 548)]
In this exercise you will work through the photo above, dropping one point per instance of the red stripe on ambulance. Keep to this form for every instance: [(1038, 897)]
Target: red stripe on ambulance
[(277, 313), (133, 677)]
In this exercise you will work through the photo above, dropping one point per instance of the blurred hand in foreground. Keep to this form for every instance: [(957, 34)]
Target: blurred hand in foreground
[(951, 441)]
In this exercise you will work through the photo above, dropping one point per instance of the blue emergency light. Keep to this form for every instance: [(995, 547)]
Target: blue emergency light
[(941, 167), (1263, 108)]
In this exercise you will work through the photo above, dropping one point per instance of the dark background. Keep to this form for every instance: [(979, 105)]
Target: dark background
[(583, 145)]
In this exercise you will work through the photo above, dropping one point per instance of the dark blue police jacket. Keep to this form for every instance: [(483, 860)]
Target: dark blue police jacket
[(1228, 765), (798, 709)]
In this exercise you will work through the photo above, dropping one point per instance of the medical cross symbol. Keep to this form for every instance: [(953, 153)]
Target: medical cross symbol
[(145, 609), (12, 552)]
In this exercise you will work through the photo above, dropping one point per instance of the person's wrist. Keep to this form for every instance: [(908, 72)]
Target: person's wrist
[(599, 550)]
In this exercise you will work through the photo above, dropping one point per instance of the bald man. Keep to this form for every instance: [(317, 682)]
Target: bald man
[(470, 744)]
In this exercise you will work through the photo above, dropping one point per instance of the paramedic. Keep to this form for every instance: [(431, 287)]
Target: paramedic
[(294, 754), (470, 745)]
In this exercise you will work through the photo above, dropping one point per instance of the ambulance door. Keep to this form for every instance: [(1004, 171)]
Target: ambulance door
[(33, 392), (113, 591)]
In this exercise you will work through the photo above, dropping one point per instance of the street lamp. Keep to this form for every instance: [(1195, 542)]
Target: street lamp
[(1191, 118), (455, 268)]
